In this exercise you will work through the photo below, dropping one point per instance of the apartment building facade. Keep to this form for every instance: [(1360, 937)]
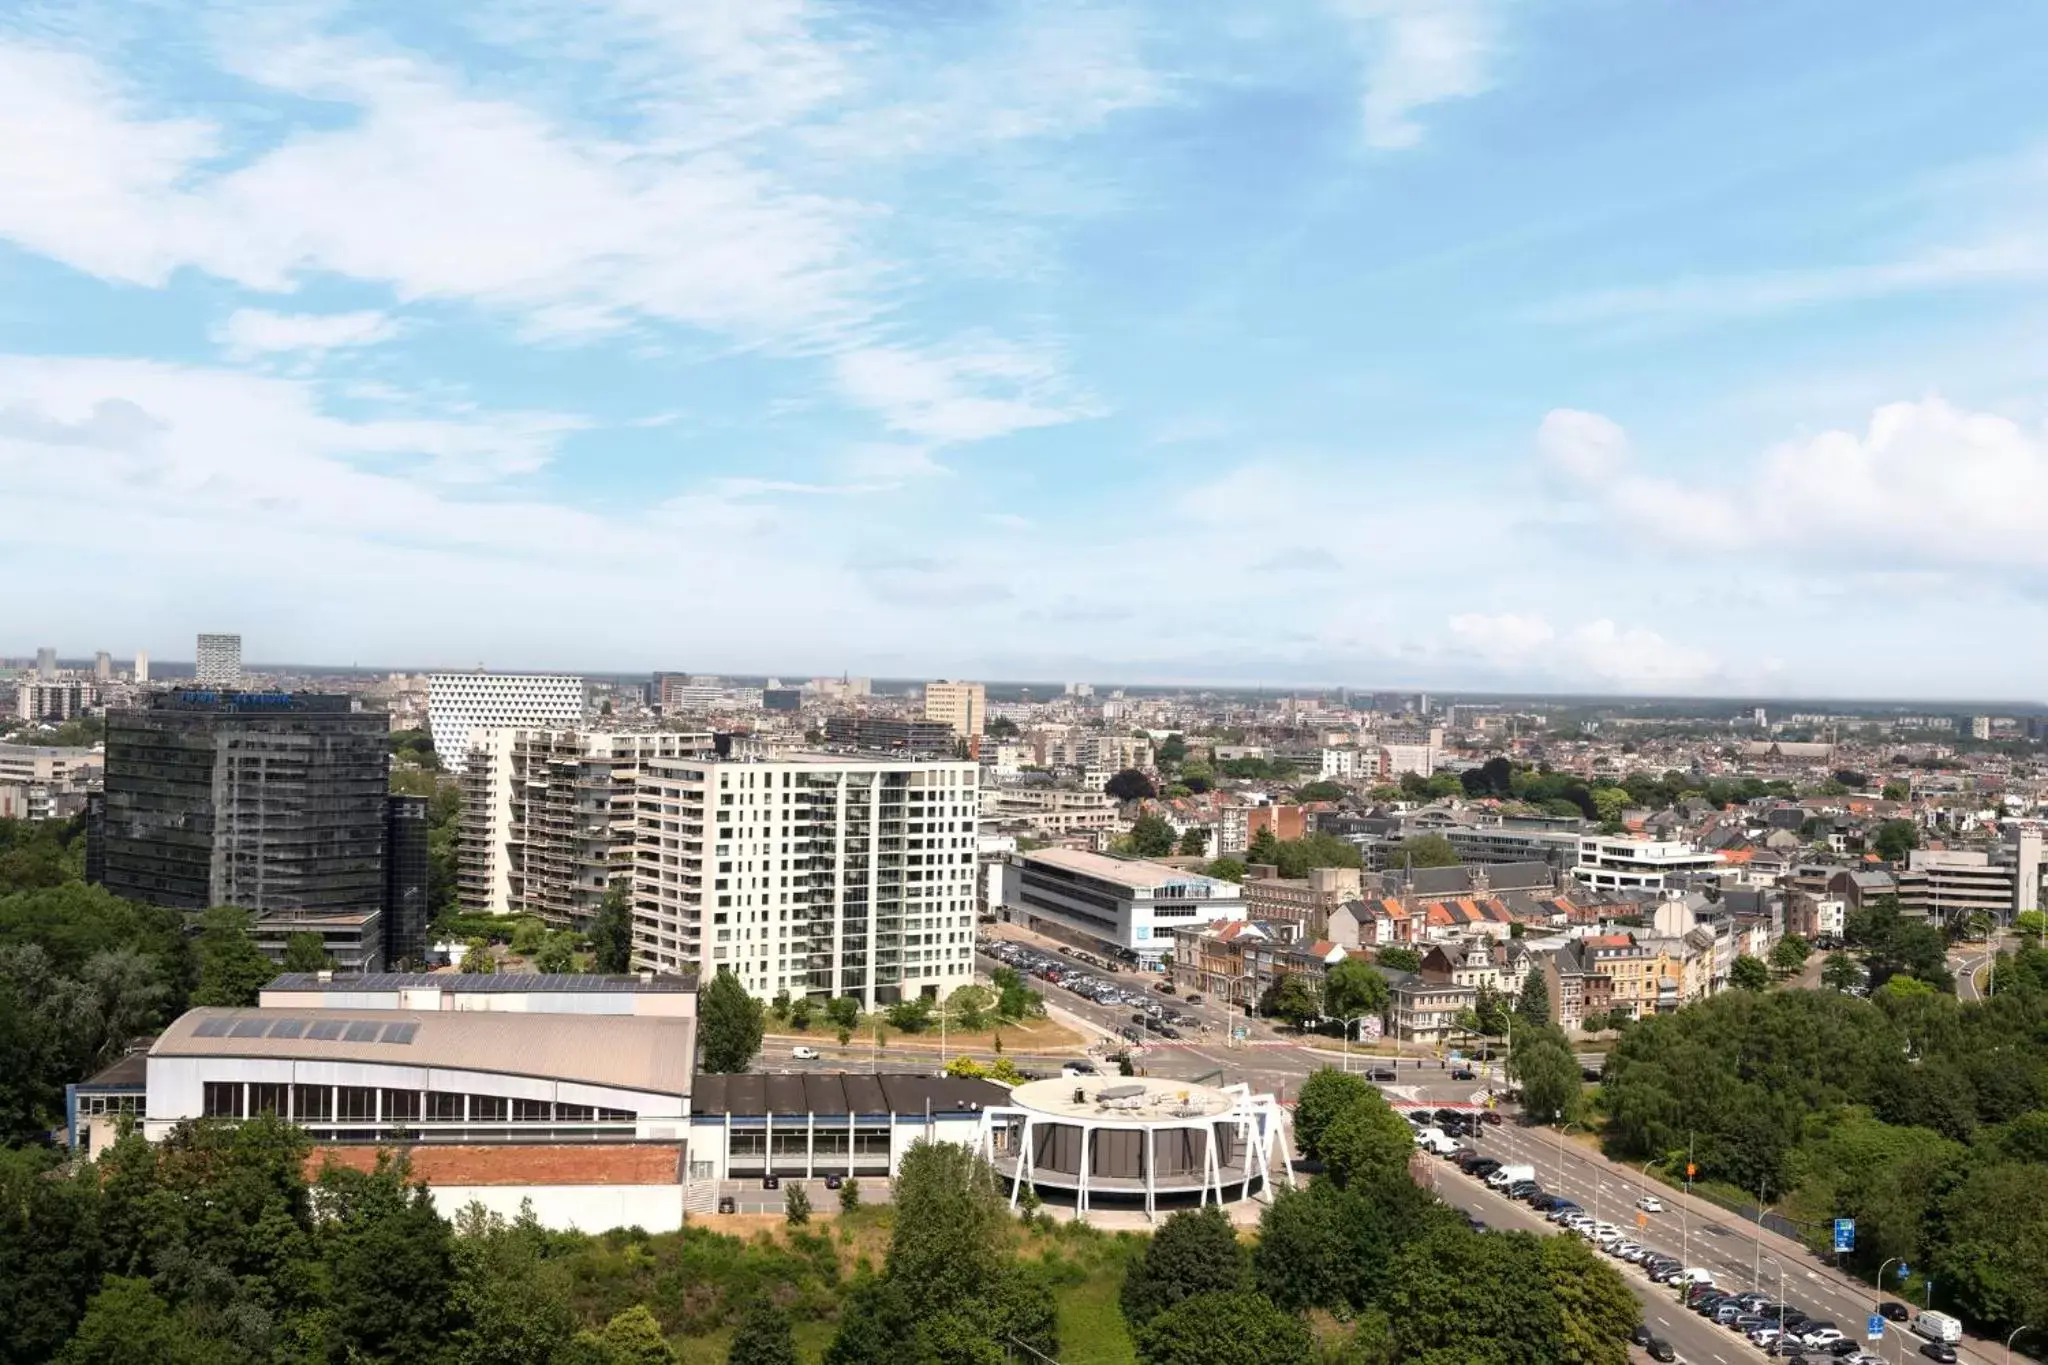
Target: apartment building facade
[(549, 818), (1307, 902), (1613, 863), (1126, 906), (818, 874), (961, 707)]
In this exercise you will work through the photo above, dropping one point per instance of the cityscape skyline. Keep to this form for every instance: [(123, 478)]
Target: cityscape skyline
[(1456, 342)]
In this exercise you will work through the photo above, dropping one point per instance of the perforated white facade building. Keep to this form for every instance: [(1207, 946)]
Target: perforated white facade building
[(461, 703), (219, 662)]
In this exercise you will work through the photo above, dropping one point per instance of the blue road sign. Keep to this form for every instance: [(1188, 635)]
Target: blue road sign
[(1904, 1270), (1876, 1332), (1845, 1234)]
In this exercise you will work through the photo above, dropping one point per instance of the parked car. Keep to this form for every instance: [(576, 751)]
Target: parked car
[(801, 1053), (1380, 1073), (1891, 1310), (1939, 1350), (1660, 1349), (1464, 1073), (1194, 999), (1641, 1336)]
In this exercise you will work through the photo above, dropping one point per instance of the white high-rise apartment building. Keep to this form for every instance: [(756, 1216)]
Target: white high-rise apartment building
[(46, 664), (548, 818), (962, 705), (142, 665), (219, 661), (821, 875), (459, 704)]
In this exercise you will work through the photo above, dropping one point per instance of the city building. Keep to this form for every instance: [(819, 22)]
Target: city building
[(103, 667), (54, 701), (1306, 902), (353, 940), (851, 1124), (1424, 1008), (1051, 812), (891, 735), (818, 874), (406, 908), (270, 801), (1947, 885), (1516, 841), (1126, 906), (142, 665), (46, 663), (219, 661), (1614, 863), (46, 782), (1144, 1144), (961, 706), (459, 704), (548, 817)]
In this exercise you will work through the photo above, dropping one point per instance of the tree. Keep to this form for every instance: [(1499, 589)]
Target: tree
[(849, 1196), (1543, 1065), (1225, 1329), (305, 952), (2031, 924), (1750, 973), (478, 959), (1320, 790), (1609, 804), (1532, 1006), (1366, 1141), (611, 932), (1895, 839), (796, 1206), (557, 954), (50, 1257), (1194, 842), (1226, 869), (1422, 850), (763, 1337), (1151, 837), (1173, 749), (1326, 1093), (969, 1006), (231, 969), (1840, 972), (913, 1015), (1457, 1297), (1898, 791), (510, 1298), (127, 1322), (1193, 1252), (1790, 953), (1292, 998), (1354, 988), (633, 1337), (390, 1262), (1264, 847), (1130, 785), (729, 1024), (1397, 957), (1597, 1309)]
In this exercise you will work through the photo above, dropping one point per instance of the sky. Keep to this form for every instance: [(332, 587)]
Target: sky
[(1596, 345)]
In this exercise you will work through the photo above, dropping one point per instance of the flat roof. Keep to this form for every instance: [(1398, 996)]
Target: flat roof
[(1123, 871), (1126, 1098), (842, 1092), (476, 983), (631, 1052)]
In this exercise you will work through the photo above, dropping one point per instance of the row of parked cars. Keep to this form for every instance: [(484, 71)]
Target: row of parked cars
[(1779, 1329), (1151, 1013)]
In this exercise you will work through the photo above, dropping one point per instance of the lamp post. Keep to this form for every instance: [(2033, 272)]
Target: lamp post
[(1348, 1025), (1560, 1168), (2024, 1327), (1781, 1293), (1756, 1260)]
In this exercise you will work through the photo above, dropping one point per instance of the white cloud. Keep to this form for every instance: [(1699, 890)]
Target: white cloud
[(971, 390), (252, 332), (1598, 652), (1926, 484), (1417, 53), (882, 463), (1582, 445)]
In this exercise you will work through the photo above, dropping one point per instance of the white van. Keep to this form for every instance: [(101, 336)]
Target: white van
[(1435, 1140), (1938, 1327), (1695, 1275)]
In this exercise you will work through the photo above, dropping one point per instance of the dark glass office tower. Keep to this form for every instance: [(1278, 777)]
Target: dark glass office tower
[(265, 800), (405, 882)]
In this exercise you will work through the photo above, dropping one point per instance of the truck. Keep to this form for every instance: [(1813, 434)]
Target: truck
[(1508, 1175), (1938, 1327)]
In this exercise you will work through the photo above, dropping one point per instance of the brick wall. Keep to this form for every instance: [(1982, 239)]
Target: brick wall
[(636, 1163)]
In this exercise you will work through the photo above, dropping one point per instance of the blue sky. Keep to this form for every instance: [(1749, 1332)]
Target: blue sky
[(1453, 343)]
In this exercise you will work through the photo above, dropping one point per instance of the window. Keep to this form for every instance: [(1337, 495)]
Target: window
[(572, 1113), (531, 1111), (312, 1102), (266, 1098), (355, 1102), (487, 1108), (401, 1105), (443, 1107), (223, 1100)]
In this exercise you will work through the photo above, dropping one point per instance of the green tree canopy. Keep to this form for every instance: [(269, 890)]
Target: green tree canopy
[(1151, 837), (729, 1024), (1225, 1329), (1532, 1006), (1895, 839), (1323, 789), (1353, 988), (1293, 997), (1195, 1251), (1789, 954), (611, 931), (1398, 957), (1326, 1093), (1749, 973), (1194, 842), (306, 952), (1366, 1141), (231, 968), (1130, 785), (1422, 850), (764, 1336)]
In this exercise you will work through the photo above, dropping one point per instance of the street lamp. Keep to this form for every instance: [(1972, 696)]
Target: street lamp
[(2025, 1327), (1348, 1023), (1756, 1261), (1781, 1293), (1560, 1165)]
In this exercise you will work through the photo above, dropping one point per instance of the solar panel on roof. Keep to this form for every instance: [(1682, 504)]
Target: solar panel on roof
[(287, 1028), (212, 1028), (362, 1031), (249, 1028), (325, 1030), (400, 1033)]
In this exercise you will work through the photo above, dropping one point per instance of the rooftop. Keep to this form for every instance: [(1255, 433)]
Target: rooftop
[(840, 1093), (1122, 1097), (1122, 871), (631, 1052), (477, 984)]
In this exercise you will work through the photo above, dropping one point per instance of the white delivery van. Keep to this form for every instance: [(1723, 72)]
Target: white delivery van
[(1435, 1140), (1508, 1175), (1938, 1327)]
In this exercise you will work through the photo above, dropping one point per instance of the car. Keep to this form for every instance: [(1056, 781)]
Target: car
[(1762, 1336), (1380, 1073), (1070, 1070), (1194, 1000), (1464, 1073), (1650, 1203), (1522, 1189), (1846, 1347), (1168, 1031), (1660, 1349), (1163, 987), (1747, 1323), (1488, 1116), (1820, 1336), (1474, 1223), (1939, 1350), (1542, 1203), (1483, 1167), (803, 1054), (1605, 1231), (1891, 1310), (1641, 1336), (1726, 1312)]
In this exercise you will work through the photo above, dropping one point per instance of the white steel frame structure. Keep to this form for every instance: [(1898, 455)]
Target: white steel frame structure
[(1258, 1122)]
